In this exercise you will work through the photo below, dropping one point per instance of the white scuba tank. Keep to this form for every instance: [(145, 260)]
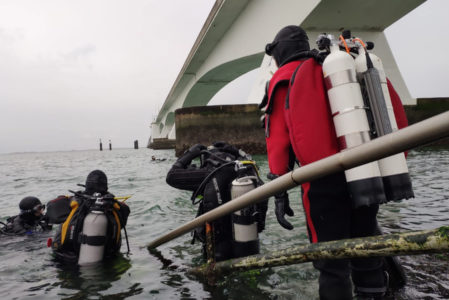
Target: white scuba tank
[(244, 225), (351, 124), (93, 238), (393, 169)]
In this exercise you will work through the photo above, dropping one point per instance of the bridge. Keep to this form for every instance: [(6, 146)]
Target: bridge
[(233, 38)]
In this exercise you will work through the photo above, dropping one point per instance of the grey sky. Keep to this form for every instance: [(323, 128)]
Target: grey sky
[(75, 71)]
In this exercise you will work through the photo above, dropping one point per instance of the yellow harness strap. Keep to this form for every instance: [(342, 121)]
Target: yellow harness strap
[(251, 162), (119, 228), (74, 205)]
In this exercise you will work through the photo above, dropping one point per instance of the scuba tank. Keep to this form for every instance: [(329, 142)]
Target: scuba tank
[(244, 224), (393, 169), (351, 124), (234, 235), (93, 236), (90, 226)]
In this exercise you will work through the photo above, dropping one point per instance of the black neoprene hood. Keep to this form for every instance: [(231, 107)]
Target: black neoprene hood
[(96, 182), (28, 203), (289, 41)]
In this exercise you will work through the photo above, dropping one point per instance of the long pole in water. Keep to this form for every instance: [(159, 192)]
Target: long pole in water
[(407, 243), (417, 134)]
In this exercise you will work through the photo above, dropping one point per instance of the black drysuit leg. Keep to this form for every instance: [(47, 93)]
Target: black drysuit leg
[(332, 218)]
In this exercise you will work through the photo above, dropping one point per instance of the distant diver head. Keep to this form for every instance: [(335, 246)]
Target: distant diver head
[(289, 41), (31, 206), (96, 182)]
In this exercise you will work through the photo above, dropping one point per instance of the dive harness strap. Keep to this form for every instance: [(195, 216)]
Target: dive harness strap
[(65, 226), (206, 180), (316, 55), (292, 80)]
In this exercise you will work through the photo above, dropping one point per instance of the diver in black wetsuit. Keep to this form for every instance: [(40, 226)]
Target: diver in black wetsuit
[(30, 219), (71, 213), (212, 180)]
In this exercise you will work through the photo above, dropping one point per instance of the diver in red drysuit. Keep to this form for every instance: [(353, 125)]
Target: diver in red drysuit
[(289, 49), (298, 117)]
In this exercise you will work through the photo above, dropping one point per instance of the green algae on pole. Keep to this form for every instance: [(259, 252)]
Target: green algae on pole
[(407, 243)]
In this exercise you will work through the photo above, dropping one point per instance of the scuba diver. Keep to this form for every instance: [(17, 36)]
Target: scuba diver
[(30, 219), (153, 158), (91, 222), (298, 123), (224, 173)]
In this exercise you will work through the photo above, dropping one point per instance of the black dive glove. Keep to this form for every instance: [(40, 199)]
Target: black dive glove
[(189, 155), (283, 208)]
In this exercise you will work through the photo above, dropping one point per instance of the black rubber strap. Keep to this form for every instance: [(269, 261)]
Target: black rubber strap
[(241, 249), (292, 80), (92, 240), (373, 290), (243, 220)]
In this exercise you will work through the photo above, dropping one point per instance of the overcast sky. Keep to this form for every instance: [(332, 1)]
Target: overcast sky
[(75, 71)]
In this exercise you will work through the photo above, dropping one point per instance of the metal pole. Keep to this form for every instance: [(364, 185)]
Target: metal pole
[(407, 243), (398, 141)]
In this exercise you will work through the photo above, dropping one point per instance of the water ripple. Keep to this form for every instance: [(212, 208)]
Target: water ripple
[(28, 270)]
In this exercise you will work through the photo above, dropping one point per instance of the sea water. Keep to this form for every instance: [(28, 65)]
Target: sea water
[(29, 271)]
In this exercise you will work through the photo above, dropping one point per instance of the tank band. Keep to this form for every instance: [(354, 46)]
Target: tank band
[(353, 139), (243, 220), (92, 240), (370, 290), (339, 78), (349, 109)]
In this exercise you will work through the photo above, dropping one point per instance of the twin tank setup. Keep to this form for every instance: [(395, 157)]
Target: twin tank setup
[(362, 110)]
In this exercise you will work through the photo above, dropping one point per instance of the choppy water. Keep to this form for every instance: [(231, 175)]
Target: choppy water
[(28, 271)]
